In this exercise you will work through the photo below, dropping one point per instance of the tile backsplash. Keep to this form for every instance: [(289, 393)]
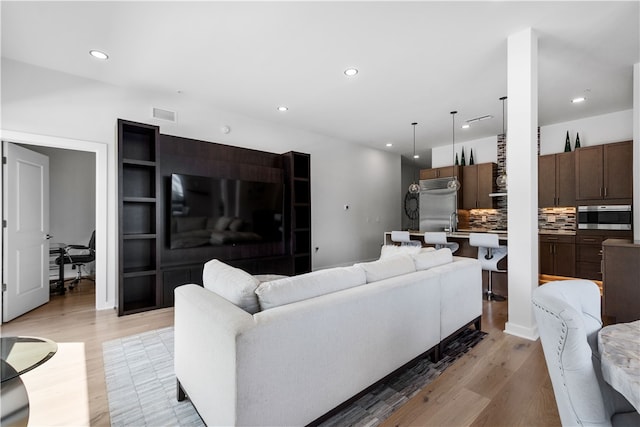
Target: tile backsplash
[(490, 219), (557, 219)]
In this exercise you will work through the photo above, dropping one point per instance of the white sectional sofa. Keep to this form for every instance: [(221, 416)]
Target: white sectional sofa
[(285, 352)]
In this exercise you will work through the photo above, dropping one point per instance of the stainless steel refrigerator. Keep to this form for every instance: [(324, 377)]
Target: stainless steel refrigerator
[(438, 205)]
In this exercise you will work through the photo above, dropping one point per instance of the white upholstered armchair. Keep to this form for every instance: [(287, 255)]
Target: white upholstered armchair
[(568, 317)]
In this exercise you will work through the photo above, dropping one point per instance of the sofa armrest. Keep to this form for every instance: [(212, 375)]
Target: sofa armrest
[(461, 294), (206, 330)]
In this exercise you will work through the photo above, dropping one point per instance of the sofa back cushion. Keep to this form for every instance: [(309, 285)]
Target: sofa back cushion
[(297, 288), (391, 250), (388, 267), (184, 224), (232, 284), (426, 260)]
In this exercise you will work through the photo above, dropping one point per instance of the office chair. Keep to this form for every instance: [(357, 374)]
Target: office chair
[(78, 256)]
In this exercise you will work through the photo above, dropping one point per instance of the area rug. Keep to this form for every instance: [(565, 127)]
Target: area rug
[(141, 385)]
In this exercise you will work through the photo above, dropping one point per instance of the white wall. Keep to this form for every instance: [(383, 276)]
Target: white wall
[(46, 102), (484, 151), (603, 129)]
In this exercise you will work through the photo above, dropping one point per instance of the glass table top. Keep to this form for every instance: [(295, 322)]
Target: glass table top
[(21, 354)]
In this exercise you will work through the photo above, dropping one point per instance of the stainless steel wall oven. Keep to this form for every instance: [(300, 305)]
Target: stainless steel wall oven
[(611, 217)]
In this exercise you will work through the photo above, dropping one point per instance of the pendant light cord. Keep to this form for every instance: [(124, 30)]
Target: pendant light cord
[(453, 138), (503, 99), (414, 147)]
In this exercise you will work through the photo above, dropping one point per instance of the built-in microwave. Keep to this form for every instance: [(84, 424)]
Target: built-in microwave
[(612, 217)]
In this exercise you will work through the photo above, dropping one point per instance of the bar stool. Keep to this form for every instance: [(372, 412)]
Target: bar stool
[(404, 238), (439, 239), (490, 252)]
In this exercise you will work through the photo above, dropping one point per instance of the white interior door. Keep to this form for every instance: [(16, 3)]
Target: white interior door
[(26, 233)]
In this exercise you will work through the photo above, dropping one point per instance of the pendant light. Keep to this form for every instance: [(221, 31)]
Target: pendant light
[(414, 188), (453, 184), (501, 181)]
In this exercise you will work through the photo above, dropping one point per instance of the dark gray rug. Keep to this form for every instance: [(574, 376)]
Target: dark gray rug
[(141, 385)]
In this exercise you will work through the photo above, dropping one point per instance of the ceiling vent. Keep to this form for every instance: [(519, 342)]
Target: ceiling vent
[(159, 113)]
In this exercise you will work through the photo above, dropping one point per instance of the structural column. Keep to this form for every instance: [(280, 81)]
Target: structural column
[(636, 151), (522, 181)]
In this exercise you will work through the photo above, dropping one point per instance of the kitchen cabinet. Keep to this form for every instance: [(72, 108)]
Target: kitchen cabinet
[(556, 180), (443, 172), (621, 269), (557, 255), (605, 172), (589, 256), (589, 251), (478, 181)]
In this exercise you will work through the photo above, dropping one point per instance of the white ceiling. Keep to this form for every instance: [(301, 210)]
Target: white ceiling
[(417, 60)]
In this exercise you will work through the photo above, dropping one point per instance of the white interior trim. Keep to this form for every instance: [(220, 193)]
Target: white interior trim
[(105, 242)]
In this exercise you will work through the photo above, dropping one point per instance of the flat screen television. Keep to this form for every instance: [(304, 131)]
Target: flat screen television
[(218, 211)]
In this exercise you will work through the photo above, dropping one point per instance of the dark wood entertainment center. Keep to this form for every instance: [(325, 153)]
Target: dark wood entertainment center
[(149, 270)]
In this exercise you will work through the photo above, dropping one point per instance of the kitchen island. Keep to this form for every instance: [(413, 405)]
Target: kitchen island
[(461, 237)]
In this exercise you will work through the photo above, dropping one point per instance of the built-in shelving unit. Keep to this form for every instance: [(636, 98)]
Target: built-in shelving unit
[(298, 167), (139, 286)]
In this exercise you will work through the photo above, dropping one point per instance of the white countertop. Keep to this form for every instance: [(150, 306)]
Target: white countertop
[(464, 233), (560, 232)]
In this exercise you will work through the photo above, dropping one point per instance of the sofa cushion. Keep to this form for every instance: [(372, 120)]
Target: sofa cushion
[(188, 223), (426, 260), (235, 285), (391, 250), (222, 223), (388, 267), (297, 288)]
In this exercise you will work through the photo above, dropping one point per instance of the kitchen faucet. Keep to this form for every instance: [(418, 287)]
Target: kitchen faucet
[(453, 224)]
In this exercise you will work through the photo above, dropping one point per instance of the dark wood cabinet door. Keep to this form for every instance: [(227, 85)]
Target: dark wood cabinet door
[(547, 181), (589, 185), (618, 170), (445, 172), (588, 270), (565, 177), (485, 185), (470, 187), (428, 173), (565, 259), (546, 258)]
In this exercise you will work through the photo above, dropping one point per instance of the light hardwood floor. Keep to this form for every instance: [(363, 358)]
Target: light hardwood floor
[(503, 381)]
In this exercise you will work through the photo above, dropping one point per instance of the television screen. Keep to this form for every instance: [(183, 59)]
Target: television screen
[(220, 211)]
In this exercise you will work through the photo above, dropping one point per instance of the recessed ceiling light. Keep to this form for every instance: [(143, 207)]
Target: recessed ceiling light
[(350, 72), (98, 54), (416, 156), (578, 99), (282, 108), (465, 126), (389, 144)]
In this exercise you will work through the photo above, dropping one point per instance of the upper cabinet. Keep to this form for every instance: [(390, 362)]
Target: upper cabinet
[(442, 172), (556, 180), (605, 172), (478, 181)]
